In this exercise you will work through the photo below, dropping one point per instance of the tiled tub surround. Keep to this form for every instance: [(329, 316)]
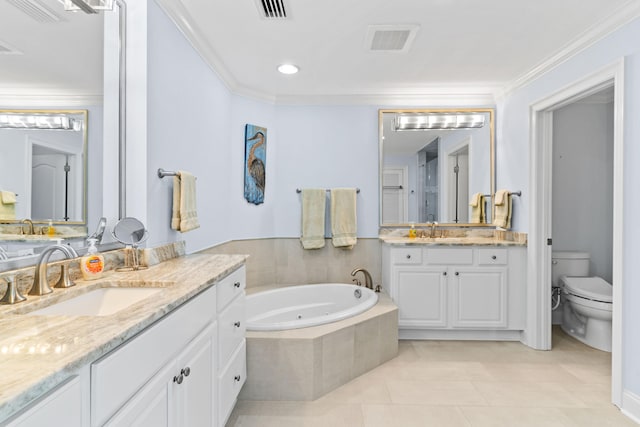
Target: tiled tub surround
[(39, 352), (304, 364)]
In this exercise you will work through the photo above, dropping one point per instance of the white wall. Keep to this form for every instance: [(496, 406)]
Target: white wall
[(583, 183), (512, 159)]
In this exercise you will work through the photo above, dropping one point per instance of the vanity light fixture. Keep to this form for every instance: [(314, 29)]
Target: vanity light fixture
[(288, 69), (40, 121), (438, 121), (88, 6)]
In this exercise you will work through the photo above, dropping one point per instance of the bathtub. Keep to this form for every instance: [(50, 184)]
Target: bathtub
[(294, 307)]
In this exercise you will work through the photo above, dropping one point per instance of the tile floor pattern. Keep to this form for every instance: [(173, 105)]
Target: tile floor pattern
[(461, 383)]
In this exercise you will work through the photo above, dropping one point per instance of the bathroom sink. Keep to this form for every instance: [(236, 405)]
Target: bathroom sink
[(99, 302)]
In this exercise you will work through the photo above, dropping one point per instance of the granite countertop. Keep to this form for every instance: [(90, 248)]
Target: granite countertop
[(449, 241), (39, 352)]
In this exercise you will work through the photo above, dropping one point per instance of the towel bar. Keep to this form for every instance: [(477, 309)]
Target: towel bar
[(514, 193), (162, 173), (298, 190)]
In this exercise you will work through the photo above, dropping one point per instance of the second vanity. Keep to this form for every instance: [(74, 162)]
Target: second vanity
[(174, 358), (456, 288)]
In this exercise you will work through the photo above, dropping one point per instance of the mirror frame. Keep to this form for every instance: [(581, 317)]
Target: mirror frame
[(492, 139), (85, 146)]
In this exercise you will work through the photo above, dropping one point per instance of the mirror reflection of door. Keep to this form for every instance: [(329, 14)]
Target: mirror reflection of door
[(458, 188), (428, 183), (395, 200)]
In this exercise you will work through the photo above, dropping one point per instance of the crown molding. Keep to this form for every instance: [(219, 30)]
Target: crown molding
[(624, 15), (453, 99), (48, 100)]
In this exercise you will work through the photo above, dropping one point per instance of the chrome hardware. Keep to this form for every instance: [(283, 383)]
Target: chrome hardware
[(357, 293), (357, 282), (40, 283), (186, 371), (236, 324), (368, 281), (457, 273), (178, 379), (444, 273), (408, 256), (236, 378), (12, 295), (378, 288), (494, 257), (434, 224), (236, 285)]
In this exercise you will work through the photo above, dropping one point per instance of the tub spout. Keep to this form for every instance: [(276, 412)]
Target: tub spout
[(368, 282)]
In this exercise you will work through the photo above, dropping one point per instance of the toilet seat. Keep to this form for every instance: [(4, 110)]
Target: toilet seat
[(591, 288)]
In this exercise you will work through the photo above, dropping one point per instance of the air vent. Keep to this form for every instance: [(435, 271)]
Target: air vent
[(272, 9), (390, 38), (5, 49), (36, 10)]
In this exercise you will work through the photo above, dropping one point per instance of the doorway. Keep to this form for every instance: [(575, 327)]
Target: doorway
[(538, 332)]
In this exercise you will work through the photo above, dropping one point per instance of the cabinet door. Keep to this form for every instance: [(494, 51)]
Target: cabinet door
[(479, 298), (151, 406), (421, 295), (195, 394)]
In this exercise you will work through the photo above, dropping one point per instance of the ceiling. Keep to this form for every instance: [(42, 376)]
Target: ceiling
[(461, 46)]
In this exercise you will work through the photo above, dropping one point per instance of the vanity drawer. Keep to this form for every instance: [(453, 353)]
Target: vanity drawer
[(406, 256), (230, 382), (230, 287), (449, 256), (231, 329), (492, 256)]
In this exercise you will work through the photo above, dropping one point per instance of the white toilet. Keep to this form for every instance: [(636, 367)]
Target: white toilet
[(587, 300)]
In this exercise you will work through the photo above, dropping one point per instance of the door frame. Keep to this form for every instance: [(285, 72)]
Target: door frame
[(538, 332)]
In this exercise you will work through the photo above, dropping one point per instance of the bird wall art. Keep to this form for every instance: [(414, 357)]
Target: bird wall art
[(255, 150)]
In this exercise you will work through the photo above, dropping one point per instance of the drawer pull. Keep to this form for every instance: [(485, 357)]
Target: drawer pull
[(408, 256), (494, 257), (236, 324), (457, 273), (236, 285), (444, 273), (236, 378), (178, 379), (186, 371)]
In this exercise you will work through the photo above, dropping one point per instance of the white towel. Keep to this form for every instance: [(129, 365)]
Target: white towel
[(313, 210), (184, 213), (343, 217)]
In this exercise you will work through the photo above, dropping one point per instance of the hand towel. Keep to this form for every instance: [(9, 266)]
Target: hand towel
[(503, 210), (477, 204), (7, 205), (343, 217), (184, 213), (313, 210)]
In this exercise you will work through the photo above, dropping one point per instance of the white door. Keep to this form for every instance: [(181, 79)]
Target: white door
[(458, 187), (395, 201), (48, 186), (421, 297)]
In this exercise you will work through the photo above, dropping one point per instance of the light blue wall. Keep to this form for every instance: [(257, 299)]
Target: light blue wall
[(512, 158)]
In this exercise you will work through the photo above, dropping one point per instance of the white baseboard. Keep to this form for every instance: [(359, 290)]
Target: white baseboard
[(631, 405)]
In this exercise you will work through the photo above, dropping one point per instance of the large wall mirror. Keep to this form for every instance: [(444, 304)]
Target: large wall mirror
[(433, 162), (56, 62)]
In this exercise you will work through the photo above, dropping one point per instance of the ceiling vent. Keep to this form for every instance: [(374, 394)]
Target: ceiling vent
[(36, 10), (272, 9), (390, 38), (5, 49)]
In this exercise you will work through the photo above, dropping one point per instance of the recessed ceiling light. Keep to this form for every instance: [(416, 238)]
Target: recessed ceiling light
[(288, 69)]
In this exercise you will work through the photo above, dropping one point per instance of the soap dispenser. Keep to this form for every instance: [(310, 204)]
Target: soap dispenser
[(92, 264)]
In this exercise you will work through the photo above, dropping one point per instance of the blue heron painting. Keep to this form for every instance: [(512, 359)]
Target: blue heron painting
[(255, 153)]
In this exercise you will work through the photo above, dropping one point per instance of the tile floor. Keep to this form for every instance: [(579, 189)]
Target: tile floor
[(455, 383)]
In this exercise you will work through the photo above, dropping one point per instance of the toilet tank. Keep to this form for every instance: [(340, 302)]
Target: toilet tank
[(569, 264)]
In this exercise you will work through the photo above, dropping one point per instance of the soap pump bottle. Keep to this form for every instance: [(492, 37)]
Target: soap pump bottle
[(412, 232), (92, 264)]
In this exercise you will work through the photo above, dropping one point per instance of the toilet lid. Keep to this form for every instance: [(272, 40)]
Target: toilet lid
[(594, 288)]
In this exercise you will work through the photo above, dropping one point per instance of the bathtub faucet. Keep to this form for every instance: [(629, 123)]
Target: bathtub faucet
[(368, 282)]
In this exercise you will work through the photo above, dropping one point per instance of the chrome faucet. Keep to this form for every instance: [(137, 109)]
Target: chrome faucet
[(25, 221), (40, 282), (434, 224), (368, 282)]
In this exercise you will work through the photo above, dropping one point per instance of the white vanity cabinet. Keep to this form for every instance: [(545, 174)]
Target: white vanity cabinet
[(456, 292)]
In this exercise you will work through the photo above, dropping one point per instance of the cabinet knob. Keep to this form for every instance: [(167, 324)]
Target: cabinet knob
[(444, 273), (236, 324), (178, 379), (408, 256), (236, 285), (186, 371), (457, 273), (494, 257), (236, 378)]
